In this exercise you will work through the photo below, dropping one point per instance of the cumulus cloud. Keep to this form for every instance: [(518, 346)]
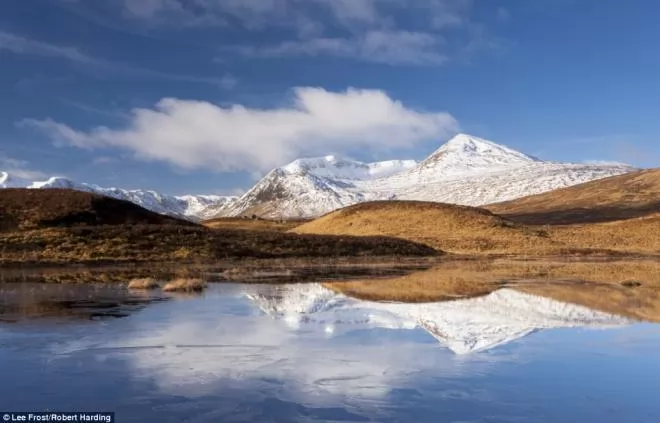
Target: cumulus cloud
[(197, 134)]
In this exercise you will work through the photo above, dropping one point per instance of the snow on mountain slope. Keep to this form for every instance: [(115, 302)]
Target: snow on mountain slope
[(336, 168), (188, 206), (466, 170), (465, 154), (464, 326), (285, 194)]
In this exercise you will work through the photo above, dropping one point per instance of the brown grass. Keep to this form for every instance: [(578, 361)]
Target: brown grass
[(159, 243), (65, 226), (185, 285), (601, 285), (474, 231), (143, 283), (638, 235), (253, 224), (22, 209), (619, 197), (451, 228)]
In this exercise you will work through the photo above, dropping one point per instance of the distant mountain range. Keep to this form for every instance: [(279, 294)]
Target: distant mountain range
[(464, 326), (188, 206), (466, 170)]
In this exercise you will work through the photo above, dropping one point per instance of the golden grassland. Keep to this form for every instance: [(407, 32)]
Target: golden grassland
[(613, 217), (185, 285), (637, 235), (257, 224), (167, 243), (627, 288), (615, 198), (65, 226), (450, 228)]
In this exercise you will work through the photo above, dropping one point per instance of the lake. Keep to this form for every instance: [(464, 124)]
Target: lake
[(303, 353)]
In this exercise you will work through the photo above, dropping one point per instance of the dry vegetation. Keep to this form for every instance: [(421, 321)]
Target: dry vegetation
[(628, 288), (143, 283), (618, 216), (63, 226), (616, 198), (25, 209), (256, 224), (157, 243), (450, 228), (185, 285)]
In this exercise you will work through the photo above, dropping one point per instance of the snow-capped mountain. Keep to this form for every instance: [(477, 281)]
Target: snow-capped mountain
[(465, 154), (187, 206), (466, 170), (464, 326), (337, 168)]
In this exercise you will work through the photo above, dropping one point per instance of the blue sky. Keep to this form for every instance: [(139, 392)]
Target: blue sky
[(204, 96)]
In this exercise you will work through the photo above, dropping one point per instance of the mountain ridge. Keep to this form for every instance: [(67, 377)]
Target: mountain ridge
[(466, 170)]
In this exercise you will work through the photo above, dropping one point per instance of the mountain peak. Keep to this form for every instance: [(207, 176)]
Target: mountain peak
[(464, 154)]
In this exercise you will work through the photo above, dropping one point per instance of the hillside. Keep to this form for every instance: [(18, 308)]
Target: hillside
[(466, 170), (615, 198), (451, 228), (192, 207), (474, 231), (66, 226), (22, 209)]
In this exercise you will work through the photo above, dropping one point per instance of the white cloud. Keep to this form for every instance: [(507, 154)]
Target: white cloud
[(391, 47), (197, 134), (18, 168)]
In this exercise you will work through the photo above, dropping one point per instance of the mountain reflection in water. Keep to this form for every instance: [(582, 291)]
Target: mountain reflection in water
[(305, 353), (464, 326)]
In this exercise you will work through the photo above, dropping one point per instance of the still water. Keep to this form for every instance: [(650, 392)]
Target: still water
[(303, 353)]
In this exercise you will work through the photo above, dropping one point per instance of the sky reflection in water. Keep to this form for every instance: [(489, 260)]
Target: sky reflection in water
[(300, 353)]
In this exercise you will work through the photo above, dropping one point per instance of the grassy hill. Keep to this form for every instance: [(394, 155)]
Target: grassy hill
[(22, 209), (620, 197), (64, 226), (475, 231), (451, 228)]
